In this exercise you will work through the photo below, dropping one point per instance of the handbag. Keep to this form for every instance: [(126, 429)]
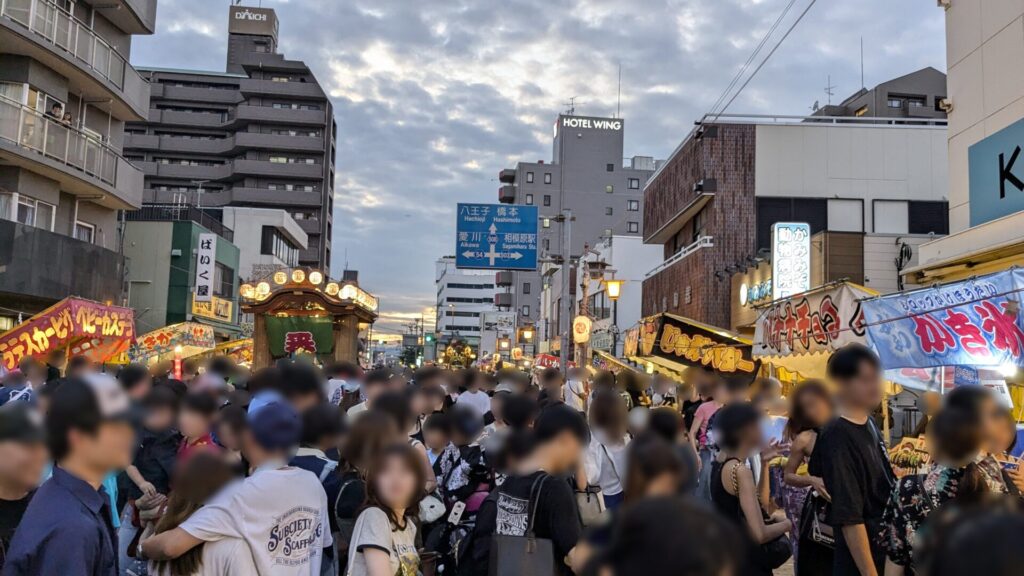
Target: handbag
[(519, 555), (593, 510), (773, 554), (813, 521)]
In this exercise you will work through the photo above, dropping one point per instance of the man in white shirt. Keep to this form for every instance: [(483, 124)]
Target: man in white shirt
[(474, 397), (375, 384), (279, 511), (576, 390)]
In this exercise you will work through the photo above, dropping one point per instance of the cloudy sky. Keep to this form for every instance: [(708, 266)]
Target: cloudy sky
[(433, 97)]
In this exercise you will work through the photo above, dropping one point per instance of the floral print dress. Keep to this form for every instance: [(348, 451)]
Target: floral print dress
[(915, 497)]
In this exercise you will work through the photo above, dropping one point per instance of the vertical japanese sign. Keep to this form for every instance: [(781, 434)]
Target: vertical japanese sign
[(206, 257), (791, 259), (971, 323)]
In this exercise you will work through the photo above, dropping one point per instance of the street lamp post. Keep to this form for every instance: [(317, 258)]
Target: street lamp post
[(614, 289)]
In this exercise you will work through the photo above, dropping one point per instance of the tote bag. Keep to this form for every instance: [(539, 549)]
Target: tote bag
[(521, 555)]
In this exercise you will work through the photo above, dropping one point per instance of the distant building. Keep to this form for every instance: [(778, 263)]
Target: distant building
[(260, 135), (867, 189), (66, 90), (463, 298), (588, 175), (917, 95)]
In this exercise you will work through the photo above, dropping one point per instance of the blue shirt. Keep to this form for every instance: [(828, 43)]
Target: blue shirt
[(66, 530)]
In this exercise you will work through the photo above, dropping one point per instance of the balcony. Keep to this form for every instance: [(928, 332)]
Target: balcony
[(309, 225), (227, 145), (308, 90), (247, 113), (180, 118), (187, 172), (209, 219), (45, 267), (700, 244), (267, 169), (194, 94), (132, 16), (507, 194), (256, 197), (95, 70), (82, 164), (507, 176)]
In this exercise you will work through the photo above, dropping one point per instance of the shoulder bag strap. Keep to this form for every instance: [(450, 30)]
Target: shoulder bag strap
[(538, 485), (612, 462), (735, 477), (880, 446)]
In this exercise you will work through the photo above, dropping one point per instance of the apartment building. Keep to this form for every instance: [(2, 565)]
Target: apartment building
[(66, 91)]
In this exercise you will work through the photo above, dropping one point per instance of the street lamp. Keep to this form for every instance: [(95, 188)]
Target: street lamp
[(613, 288)]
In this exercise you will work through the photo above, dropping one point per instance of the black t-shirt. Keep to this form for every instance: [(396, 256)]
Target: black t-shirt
[(11, 512), (851, 459), (689, 409), (155, 459), (556, 517)]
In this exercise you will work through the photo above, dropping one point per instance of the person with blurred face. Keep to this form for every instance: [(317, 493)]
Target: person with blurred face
[(22, 458), (560, 435), (195, 422), (374, 384), (68, 527), (136, 381), (984, 405), (851, 457), (384, 537), (576, 390)]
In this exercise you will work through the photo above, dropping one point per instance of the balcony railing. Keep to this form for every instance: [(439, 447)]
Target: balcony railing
[(69, 34), (58, 141), (206, 217), (702, 242)]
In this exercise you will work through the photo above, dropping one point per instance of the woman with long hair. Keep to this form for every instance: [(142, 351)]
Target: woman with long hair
[(384, 537), (956, 441), (604, 462), (810, 408), (195, 482)]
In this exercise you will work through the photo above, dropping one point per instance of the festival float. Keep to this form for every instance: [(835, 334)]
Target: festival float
[(300, 312)]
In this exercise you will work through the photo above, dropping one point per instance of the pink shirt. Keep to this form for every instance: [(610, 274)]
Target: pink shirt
[(704, 413)]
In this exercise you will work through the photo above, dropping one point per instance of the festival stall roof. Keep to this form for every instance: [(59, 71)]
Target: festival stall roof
[(677, 343), (194, 338), (82, 327), (618, 362), (800, 332)]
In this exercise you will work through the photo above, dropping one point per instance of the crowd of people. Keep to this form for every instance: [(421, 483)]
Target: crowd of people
[(298, 469)]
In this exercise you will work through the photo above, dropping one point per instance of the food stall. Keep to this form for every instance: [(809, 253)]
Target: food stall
[(183, 340), (100, 332), (669, 344)]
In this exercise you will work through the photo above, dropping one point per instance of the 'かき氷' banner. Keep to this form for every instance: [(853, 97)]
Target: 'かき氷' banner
[(976, 322)]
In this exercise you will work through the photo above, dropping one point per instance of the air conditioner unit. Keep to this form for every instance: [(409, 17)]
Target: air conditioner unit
[(946, 105), (944, 4)]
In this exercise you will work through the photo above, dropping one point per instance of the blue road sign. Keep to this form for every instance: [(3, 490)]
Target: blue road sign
[(496, 237)]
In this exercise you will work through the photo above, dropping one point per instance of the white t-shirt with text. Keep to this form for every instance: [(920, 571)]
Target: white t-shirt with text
[(280, 513), (479, 401)]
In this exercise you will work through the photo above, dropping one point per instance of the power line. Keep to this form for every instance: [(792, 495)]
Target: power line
[(765, 61)]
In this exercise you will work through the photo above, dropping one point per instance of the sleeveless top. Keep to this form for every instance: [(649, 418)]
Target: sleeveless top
[(727, 504)]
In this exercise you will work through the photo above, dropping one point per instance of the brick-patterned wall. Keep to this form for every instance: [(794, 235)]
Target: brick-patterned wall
[(727, 157)]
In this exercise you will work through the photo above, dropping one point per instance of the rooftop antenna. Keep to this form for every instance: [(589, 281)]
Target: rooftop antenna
[(862, 62), (571, 111), (618, 100), (829, 89)]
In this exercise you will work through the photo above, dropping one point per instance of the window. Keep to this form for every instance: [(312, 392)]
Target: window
[(608, 211), (917, 102), (32, 212), (814, 211), (279, 79), (547, 200), (85, 232), (699, 225), (891, 216), (633, 205), (526, 310), (529, 199), (223, 280), (862, 111), (633, 227), (526, 287), (547, 177), (895, 103), (634, 183), (609, 189), (929, 217), (547, 244), (845, 215), (6, 201), (273, 243), (611, 167), (529, 177)]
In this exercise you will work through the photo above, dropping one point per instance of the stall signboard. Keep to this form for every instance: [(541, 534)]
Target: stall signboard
[(299, 334), (806, 324), (942, 379), (690, 344), (83, 327), (976, 322), (218, 309), (791, 259), (631, 342), (206, 262), (191, 335)]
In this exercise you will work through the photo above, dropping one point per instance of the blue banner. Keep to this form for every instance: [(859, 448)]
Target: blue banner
[(971, 323)]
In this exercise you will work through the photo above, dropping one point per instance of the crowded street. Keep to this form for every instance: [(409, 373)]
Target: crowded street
[(511, 288)]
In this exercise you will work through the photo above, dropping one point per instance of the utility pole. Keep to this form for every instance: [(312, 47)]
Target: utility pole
[(565, 324)]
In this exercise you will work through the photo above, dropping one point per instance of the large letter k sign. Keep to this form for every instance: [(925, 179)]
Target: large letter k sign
[(1006, 173)]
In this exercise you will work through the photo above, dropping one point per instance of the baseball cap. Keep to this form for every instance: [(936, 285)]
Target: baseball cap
[(504, 387), (19, 423), (111, 400), (276, 426), (261, 399)]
